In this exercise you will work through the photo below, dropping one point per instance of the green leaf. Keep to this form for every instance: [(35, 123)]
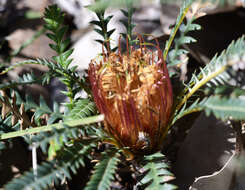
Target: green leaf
[(182, 39), (52, 36), (95, 22), (107, 19), (194, 107), (29, 103), (156, 173), (54, 19), (61, 32), (54, 47), (100, 41), (192, 27), (128, 22), (69, 124), (225, 91), (100, 32), (64, 45), (70, 160), (25, 79), (109, 33), (125, 13), (42, 109), (215, 72), (104, 172), (183, 11), (225, 108), (55, 115), (187, 40), (83, 108)]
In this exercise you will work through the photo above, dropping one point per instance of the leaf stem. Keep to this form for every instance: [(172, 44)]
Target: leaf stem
[(73, 123), (198, 85), (19, 64)]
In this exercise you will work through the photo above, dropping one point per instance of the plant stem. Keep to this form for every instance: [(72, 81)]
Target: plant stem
[(73, 123), (175, 29), (19, 64)]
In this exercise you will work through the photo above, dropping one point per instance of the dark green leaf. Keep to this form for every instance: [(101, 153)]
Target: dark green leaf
[(104, 172)]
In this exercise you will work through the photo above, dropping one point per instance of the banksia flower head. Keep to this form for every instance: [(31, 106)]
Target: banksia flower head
[(134, 93)]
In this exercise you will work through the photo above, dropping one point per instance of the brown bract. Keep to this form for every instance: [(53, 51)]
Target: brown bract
[(134, 93)]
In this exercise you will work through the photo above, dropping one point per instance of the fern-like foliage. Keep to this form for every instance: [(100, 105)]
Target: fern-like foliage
[(22, 63), (156, 173), (54, 20), (224, 108), (83, 108), (194, 107), (54, 23), (69, 75), (216, 73), (225, 91), (25, 79), (104, 172), (5, 127), (70, 159), (183, 11), (128, 13), (60, 68), (102, 30), (181, 40)]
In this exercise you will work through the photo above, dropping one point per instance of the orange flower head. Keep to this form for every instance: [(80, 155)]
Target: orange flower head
[(134, 93)]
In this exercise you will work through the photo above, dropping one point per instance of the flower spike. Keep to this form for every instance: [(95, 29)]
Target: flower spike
[(134, 93)]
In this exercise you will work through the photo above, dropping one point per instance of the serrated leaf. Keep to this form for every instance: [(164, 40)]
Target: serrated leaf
[(217, 67), (99, 31), (225, 108), (104, 172), (42, 109), (83, 108), (61, 32), (54, 47), (186, 40), (95, 22), (54, 171), (100, 41), (183, 11), (52, 36), (64, 44), (107, 19), (55, 115), (125, 13), (156, 173), (66, 54), (194, 26), (109, 33), (124, 22)]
